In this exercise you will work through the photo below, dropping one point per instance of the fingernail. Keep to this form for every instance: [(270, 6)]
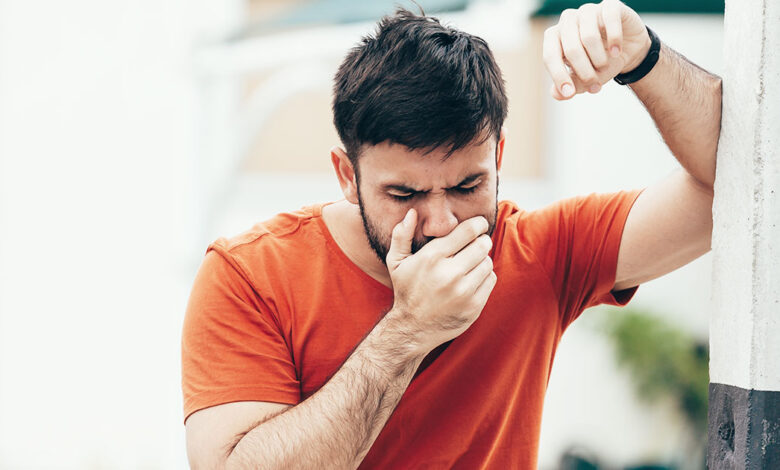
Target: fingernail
[(615, 51), (595, 88), (567, 90)]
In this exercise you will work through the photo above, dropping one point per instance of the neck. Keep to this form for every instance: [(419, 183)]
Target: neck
[(346, 226)]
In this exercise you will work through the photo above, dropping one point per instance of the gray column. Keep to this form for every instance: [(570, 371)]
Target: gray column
[(744, 410)]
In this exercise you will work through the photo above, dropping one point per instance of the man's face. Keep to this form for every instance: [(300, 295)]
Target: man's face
[(394, 179)]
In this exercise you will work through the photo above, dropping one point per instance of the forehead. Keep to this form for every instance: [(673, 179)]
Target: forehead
[(388, 163)]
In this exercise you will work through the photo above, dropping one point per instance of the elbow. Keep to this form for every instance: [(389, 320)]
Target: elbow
[(215, 460), (233, 461)]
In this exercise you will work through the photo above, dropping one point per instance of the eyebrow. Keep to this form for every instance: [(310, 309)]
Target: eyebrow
[(402, 188)]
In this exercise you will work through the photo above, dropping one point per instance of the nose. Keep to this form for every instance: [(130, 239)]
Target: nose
[(436, 216)]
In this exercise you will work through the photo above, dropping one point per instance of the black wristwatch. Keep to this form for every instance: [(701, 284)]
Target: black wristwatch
[(646, 66)]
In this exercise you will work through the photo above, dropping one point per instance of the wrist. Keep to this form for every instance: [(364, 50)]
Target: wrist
[(392, 344), (401, 326), (650, 56), (640, 57)]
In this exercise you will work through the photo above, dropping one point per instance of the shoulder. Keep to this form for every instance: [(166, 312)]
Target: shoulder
[(553, 228), (518, 225), (552, 216), (277, 241)]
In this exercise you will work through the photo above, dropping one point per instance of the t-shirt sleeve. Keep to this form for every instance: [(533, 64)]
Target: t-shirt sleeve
[(577, 240), (233, 348)]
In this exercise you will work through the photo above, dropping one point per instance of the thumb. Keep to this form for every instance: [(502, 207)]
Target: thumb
[(401, 243)]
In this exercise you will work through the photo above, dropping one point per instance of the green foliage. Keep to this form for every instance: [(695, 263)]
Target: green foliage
[(664, 361)]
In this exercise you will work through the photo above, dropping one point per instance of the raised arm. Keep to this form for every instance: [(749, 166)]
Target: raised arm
[(670, 224), (684, 100)]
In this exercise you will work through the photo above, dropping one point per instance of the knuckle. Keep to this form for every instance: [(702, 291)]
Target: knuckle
[(587, 75), (459, 290), (572, 50), (551, 31), (476, 229), (557, 70), (476, 304), (589, 79), (568, 12), (486, 242), (600, 63), (591, 40), (440, 275), (548, 56), (483, 269), (483, 225), (473, 230), (425, 256)]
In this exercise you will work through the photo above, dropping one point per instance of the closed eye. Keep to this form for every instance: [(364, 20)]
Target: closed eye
[(466, 190), (402, 197), (461, 190)]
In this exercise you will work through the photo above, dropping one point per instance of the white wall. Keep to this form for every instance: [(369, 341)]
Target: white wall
[(96, 115)]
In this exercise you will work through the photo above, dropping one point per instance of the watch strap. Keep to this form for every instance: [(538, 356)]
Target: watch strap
[(644, 68)]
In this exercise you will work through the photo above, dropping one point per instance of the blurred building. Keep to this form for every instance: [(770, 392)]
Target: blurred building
[(132, 135), (267, 89)]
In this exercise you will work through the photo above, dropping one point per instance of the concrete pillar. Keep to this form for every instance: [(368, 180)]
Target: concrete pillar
[(744, 410)]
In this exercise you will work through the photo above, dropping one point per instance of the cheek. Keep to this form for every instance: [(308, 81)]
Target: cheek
[(386, 214)]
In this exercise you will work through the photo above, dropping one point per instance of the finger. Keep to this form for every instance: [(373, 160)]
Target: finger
[(482, 270), (578, 86), (483, 291), (574, 51), (552, 54), (558, 96), (590, 36), (401, 242), (460, 236), (611, 16), (473, 254)]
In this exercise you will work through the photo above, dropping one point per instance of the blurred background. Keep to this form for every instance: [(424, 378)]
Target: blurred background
[(133, 133)]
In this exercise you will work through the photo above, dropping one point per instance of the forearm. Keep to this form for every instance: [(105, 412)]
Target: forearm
[(685, 103), (335, 427)]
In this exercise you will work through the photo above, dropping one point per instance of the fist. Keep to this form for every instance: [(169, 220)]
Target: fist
[(591, 45)]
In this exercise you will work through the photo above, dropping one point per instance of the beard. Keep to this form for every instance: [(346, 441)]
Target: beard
[(380, 242)]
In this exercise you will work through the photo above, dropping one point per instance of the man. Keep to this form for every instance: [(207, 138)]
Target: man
[(414, 324)]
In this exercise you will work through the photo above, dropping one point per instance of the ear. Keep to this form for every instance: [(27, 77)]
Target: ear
[(500, 149), (345, 173)]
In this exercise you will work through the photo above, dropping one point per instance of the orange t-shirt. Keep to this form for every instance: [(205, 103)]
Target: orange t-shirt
[(275, 311)]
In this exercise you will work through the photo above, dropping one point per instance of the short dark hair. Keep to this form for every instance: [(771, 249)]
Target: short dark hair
[(420, 84)]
